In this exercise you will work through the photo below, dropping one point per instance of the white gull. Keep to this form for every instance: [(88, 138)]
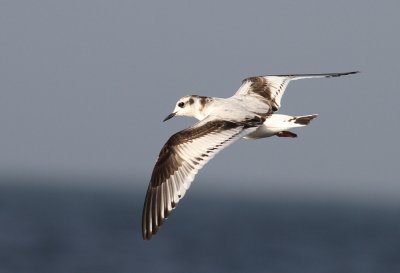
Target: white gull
[(249, 114)]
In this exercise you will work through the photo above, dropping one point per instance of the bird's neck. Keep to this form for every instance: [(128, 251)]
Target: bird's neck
[(204, 107)]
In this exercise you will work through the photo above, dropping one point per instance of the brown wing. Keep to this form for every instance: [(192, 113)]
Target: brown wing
[(184, 154), (270, 89)]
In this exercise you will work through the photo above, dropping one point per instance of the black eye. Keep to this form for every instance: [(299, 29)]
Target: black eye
[(181, 104)]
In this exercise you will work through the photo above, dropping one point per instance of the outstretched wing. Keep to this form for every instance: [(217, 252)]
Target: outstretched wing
[(270, 89), (184, 154)]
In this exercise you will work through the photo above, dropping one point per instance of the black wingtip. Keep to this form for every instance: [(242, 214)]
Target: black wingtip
[(146, 236), (326, 75), (342, 74)]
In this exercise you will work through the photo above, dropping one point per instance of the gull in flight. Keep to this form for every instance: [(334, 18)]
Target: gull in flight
[(249, 114)]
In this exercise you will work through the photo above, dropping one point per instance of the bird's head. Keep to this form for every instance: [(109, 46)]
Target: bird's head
[(190, 106)]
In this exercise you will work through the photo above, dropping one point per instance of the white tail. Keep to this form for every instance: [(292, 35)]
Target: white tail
[(280, 125)]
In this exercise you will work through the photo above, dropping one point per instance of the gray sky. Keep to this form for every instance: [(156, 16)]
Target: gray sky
[(84, 86)]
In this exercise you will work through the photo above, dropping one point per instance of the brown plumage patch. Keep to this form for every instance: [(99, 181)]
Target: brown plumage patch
[(286, 134), (202, 99), (199, 97), (196, 132), (255, 121), (260, 86)]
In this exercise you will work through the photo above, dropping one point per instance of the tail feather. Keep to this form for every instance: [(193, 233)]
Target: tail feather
[(304, 120)]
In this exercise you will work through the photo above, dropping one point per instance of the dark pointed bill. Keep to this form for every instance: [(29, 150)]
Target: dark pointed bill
[(170, 116)]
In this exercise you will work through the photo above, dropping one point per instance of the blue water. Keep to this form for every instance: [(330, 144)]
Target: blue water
[(77, 230)]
